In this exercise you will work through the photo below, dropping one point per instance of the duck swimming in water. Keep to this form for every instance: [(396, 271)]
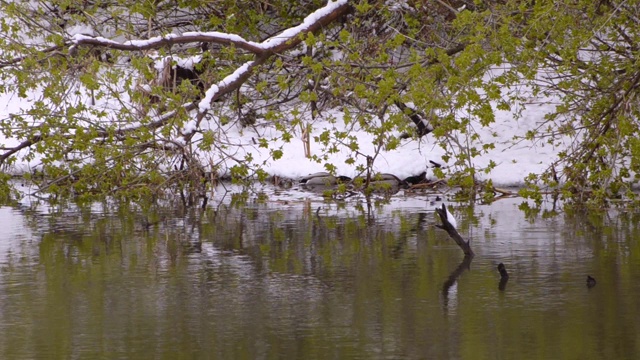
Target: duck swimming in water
[(591, 282)]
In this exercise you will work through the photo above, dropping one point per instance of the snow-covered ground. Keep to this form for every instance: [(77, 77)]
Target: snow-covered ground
[(514, 162)]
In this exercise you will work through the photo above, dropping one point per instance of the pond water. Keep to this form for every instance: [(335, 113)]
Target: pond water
[(297, 277)]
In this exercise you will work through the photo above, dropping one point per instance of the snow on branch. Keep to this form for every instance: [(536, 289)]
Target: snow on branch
[(283, 41), (313, 22), (232, 80), (449, 225), (273, 45), (170, 39)]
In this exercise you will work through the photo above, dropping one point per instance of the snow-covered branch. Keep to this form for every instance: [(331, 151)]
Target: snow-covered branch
[(281, 42), (169, 40), (229, 83), (312, 23), (449, 225), (275, 44)]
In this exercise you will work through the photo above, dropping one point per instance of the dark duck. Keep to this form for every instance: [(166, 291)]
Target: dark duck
[(416, 179)]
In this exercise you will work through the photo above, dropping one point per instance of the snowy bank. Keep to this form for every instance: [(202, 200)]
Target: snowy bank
[(514, 161)]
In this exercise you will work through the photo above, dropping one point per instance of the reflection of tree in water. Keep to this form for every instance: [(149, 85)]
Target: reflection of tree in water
[(453, 277)]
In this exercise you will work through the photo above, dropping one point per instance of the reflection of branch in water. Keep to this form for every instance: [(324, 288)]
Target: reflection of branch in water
[(422, 219), (401, 243), (453, 277), (398, 248), (503, 284), (320, 220)]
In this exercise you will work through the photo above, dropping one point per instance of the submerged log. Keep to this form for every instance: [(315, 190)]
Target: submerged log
[(449, 225)]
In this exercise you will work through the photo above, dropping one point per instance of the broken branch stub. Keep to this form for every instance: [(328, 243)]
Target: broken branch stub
[(451, 230)]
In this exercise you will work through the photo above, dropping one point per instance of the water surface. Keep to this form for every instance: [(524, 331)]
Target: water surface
[(304, 278)]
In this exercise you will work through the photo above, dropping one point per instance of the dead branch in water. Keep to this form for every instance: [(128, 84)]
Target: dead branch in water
[(453, 233)]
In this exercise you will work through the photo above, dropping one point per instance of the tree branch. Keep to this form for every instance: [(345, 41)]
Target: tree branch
[(16, 60), (169, 40), (275, 44), (22, 145), (453, 233)]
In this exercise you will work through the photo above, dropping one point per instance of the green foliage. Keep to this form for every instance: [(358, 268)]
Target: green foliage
[(441, 62), (596, 84)]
